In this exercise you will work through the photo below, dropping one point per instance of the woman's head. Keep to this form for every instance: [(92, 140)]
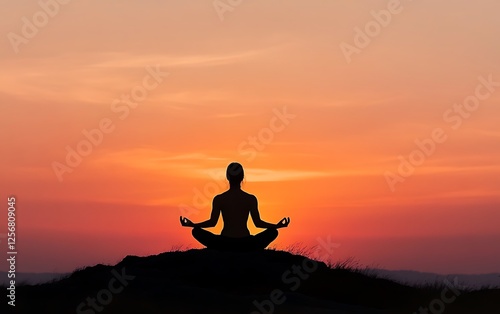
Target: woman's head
[(235, 174)]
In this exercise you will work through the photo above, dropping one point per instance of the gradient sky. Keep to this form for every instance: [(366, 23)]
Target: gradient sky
[(325, 168)]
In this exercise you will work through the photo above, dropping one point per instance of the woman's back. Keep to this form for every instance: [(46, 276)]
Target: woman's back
[(235, 206)]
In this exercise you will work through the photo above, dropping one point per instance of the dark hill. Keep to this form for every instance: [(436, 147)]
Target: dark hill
[(206, 281)]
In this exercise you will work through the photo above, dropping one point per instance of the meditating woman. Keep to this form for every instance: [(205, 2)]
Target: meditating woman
[(235, 206)]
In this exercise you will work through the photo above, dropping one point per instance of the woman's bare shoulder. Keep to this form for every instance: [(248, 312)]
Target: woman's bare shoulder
[(241, 194), (250, 196)]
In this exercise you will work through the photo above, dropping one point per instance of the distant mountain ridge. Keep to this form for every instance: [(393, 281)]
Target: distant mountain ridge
[(31, 278), (420, 278)]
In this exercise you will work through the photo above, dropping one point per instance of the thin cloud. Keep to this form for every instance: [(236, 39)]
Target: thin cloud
[(228, 115), (459, 169), (149, 159), (121, 60), (191, 156)]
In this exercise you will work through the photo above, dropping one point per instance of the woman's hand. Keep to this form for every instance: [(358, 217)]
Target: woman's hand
[(186, 222), (283, 223)]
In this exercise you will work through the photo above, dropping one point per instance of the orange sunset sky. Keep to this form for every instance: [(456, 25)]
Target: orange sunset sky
[(234, 73)]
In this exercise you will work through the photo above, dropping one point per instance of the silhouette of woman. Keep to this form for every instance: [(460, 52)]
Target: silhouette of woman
[(235, 206)]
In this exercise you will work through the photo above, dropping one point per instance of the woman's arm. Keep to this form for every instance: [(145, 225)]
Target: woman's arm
[(214, 216)]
